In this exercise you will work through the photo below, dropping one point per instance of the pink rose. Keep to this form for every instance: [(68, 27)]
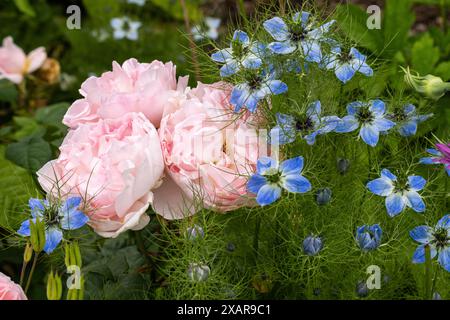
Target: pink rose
[(14, 64), (208, 153), (113, 164), (10, 290), (132, 87)]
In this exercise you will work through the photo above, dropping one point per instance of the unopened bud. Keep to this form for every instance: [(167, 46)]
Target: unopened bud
[(50, 71), (198, 272), (54, 286), (28, 252), (343, 165), (431, 86), (323, 196), (72, 254), (76, 294), (37, 238)]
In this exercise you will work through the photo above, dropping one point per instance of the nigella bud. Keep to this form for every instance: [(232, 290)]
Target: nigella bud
[(231, 247), (28, 252), (54, 286), (437, 296), (343, 165), (37, 235), (361, 289), (198, 272), (312, 245), (369, 237), (195, 232), (431, 86), (316, 291), (72, 254), (323, 196)]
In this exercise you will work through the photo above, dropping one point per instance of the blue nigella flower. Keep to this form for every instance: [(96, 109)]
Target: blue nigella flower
[(399, 194), (435, 159), (56, 217), (310, 126), (369, 237), (370, 116), (258, 86), (297, 34), (242, 53), (312, 245), (345, 65), (270, 178), (437, 239), (408, 119)]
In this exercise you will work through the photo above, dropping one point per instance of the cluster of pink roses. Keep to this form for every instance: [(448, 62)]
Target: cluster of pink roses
[(139, 137)]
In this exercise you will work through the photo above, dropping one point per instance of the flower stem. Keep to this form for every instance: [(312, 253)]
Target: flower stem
[(22, 272), (30, 276), (428, 267), (22, 96), (256, 237)]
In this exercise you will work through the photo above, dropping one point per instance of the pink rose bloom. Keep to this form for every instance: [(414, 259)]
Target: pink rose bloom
[(10, 290), (132, 87), (208, 153), (14, 64), (113, 164)]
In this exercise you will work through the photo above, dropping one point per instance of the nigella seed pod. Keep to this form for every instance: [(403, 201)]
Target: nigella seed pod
[(361, 289), (312, 245), (195, 232), (343, 165), (198, 272), (323, 196)]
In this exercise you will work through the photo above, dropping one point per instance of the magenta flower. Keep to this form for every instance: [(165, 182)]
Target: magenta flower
[(444, 149)]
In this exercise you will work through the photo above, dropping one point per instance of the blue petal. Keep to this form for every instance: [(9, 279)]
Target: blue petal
[(415, 201), (277, 29), (395, 203), (273, 87), (230, 68), (282, 135), (328, 124), (314, 109), (409, 109), (70, 205), (37, 207), (296, 183), (265, 163), (416, 183), (357, 55), (318, 32), (285, 47), (383, 124), (377, 107), (268, 194), (239, 95), (444, 222), (381, 187), (251, 61), (292, 166), (421, 234), (408, 129), (419, 254), (344, 72), (252, 102), (222, 56), (434, 152), (363, 68), (24, 229), (347, 124), (311, 138), (427, 160), (353, 107), (241, 37), (370, 135), (255, 183), (312, 52), (53, 237), (74, 220), (388, 174), (284, 119), (444, 258), (301, 17)]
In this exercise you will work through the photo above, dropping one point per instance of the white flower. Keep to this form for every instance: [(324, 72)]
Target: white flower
[(125, 28)]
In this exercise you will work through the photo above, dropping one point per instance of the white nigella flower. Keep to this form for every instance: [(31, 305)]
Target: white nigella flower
[(125, 28)]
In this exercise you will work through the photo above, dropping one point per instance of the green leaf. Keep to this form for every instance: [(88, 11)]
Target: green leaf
[(25, 7), (8, 91), (353, 20), (27, 127), (31, 152), (398, 20), (424, 55), (443, 70), (52, 115), (16, 187), (174, 8)]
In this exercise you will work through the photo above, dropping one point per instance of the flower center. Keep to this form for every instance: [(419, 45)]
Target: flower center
[(51, 216), (364, 115), (297, 32), (345, 57), (401, 185), (399, 114), (441, 238), (254, 81), (239, 50), (273, 175), (304, 124)]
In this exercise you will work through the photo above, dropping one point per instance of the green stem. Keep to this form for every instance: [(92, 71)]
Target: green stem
[(30, 276), (22, 94), (444, 15), (22, 272), (241, 9), (428, 267), (433, 286), (256, 237)]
